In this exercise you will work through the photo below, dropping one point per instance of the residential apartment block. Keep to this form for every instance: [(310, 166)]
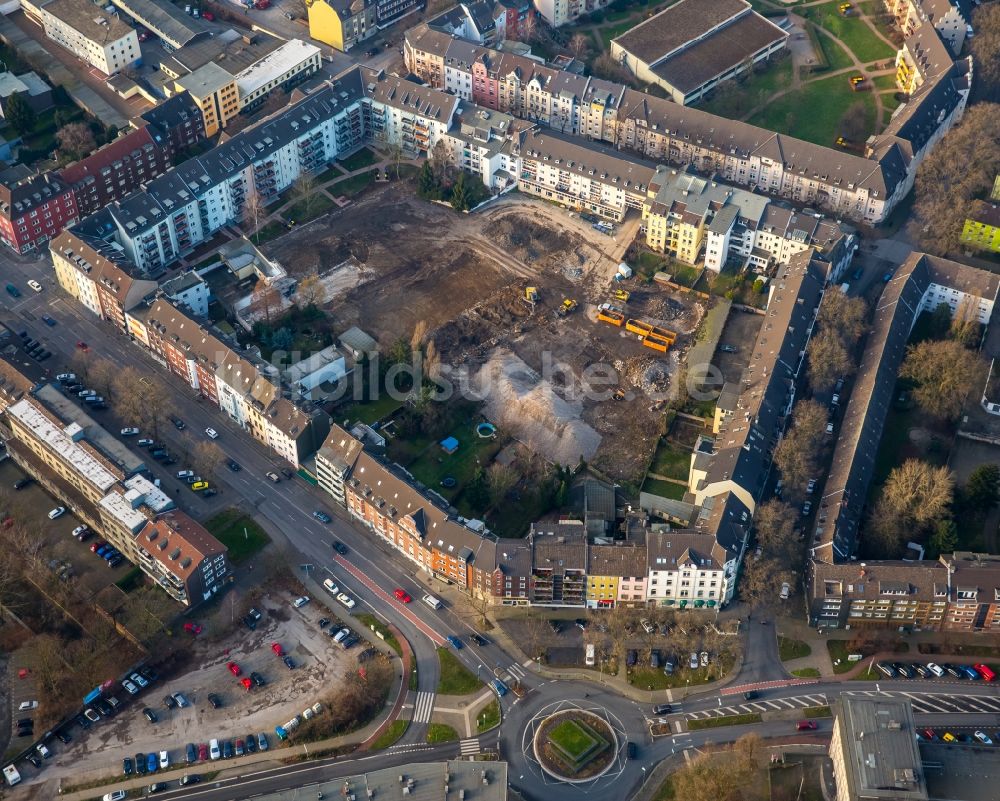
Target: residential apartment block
[(863, 188), (88, 32), (950, 18), (921, 283), (291, 63), (97, 476), (561, 12), (35, 210), (691, 47), (982, 227), (248, 392), (697, 220), (341, 23), (215, 92), (684, 573)]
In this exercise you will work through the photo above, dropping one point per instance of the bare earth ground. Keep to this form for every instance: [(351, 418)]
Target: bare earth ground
[(464, 276), (319, 663)]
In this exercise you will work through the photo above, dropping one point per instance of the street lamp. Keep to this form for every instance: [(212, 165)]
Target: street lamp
[(478, 668)]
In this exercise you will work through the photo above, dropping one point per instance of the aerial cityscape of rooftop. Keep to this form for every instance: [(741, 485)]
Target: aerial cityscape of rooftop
[(501, 399)]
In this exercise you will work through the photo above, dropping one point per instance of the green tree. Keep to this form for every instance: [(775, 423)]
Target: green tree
[(19, 114), (944, 538), (459, 197), (982, 490), (427, 184)]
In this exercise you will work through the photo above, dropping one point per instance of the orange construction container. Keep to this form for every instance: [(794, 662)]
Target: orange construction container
[(657, 342), (611, 316), (639, 327)]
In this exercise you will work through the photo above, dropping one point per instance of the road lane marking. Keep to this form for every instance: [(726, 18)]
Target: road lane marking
[(423, 707)]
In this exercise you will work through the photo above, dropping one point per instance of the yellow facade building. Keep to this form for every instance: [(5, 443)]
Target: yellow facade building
[(982, 227), (216, 93), (341, 23)]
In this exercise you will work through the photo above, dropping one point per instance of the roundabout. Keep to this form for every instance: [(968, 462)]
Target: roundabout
[(575, 742)]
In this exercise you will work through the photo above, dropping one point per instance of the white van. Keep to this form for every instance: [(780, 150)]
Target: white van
[(432, 602), (213, 749), (590, 659), (11, 775)]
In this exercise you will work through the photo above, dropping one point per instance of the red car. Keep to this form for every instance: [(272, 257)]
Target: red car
[(82, 345), (234, 668), (402, 596), (247, 684), (208, 15), (806, 725), (192, 628), (96, 545), (276, 647), (203, 752)]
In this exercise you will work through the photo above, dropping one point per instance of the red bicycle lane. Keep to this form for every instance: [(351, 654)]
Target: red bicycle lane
[(371, 584)]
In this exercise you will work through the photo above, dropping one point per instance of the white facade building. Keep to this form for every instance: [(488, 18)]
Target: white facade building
[(88, 31)]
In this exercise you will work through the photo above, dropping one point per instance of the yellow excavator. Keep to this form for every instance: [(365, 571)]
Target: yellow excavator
[(566, 307), (531, 295)]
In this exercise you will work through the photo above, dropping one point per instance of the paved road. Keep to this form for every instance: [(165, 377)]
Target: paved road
[(371, 571)]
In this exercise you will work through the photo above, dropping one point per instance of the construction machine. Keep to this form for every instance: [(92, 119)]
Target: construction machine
[(568, 305), (621, 294), (531, 295)]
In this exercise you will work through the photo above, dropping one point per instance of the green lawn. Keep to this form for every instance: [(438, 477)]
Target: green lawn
[(272, 230), (353, 185), (488, 717), (131, 580), (814, 112), (728, 720), (614, 31), (817, 712), (806, 673), (572, 739), (372, 623), (238, 532), (391, 735), (331, 172), (789, 649), (371, 411), (646, 678), (868, 674), (671, 460), (456, 678), (441, 733), (834, 57), (433, 464), (302, 212), (890, 102), (363, 158), (884, 82), (664, 489), (751, 92), (852, 31)]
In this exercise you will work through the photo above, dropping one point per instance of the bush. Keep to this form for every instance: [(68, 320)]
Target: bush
[(355, 704)]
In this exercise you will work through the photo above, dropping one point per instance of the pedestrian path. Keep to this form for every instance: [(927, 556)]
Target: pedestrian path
[(469, 747), (423, 707), (517, 672)]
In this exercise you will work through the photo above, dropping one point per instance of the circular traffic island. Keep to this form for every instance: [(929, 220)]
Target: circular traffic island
[(575, 746)]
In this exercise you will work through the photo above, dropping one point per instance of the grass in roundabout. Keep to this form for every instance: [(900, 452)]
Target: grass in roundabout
[(575, 747)]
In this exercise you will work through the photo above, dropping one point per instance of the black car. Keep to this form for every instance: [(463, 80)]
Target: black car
[(661, 709), (288, 662), (21, 483), (63, 736), (169, 702), (555, 626), (324, 622), (227, 749), (190, 778), (157, 787), (339, 547), (251, 743), (479, 639), (349, 641), (35, 760), (178, 423), (82, 722), (211, 492), (580, 623), (104, 708), (904, 669), (148, 674), (631, 750), (140, 764), (250, 623), (25, 722), (631, 657), (257, 679), (127, 766), (215, 701), (953, 671), (749, 695), (233, 465), (150, 714), (190, 753), (285, 472)]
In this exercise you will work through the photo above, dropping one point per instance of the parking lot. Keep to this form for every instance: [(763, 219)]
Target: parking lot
[(319, 663)]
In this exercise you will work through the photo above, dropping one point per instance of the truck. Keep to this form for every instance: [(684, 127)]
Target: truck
[(11, 775)]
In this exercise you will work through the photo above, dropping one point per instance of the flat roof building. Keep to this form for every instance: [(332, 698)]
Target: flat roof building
[(87, 31), (694, 45), (874, 751)]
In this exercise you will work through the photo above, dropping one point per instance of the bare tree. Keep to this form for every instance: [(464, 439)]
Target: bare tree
[(914, 497), (945, 372), (254, 209), (304, 191), (102, 377), (761, 583), (265, 301), (797, 455), (418, 335), (311, 291), (500, 478), (442, 163), (534, 634), (579, 45), (775, 523), (76, 140)]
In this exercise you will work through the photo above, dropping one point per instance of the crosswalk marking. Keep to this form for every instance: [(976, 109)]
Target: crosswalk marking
[(469, 747), (423, 707), (516, 671), (764, 705)]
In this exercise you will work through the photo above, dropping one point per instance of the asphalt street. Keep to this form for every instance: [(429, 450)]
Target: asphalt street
[(371, 570)]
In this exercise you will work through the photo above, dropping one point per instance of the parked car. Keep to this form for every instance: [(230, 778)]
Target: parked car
[(323, 517), (127, 766), (346, 600), (301, 601), (214, 700), (150, 715), (806, 725), (257, 679), (59, 511), (212, 433), (262, 743), (129, 432), (693, 661), (234, 668)]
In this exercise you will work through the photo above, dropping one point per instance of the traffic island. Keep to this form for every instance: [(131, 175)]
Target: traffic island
[(575, 746)]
